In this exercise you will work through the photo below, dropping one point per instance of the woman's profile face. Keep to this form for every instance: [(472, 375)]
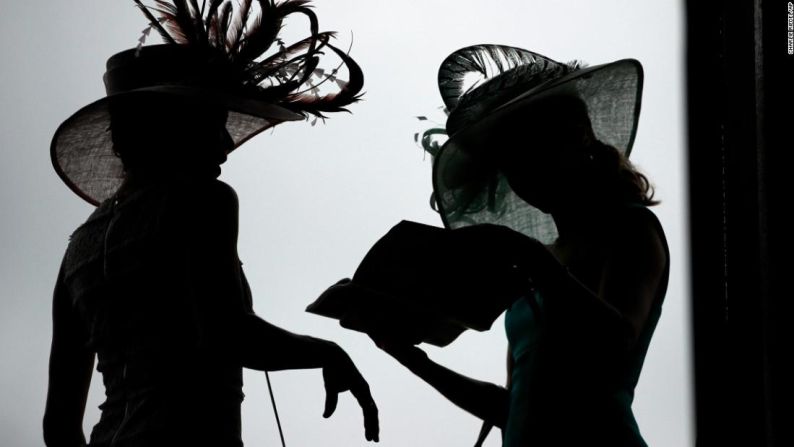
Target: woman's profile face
[(161, 132), (531, 167), (541, 152)]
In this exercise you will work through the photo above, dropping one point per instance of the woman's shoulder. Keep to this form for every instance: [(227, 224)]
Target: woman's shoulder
[(211, 202), (186, 198), (636, 215), (214, 186), (198, 208), (636, 226), (206, 193), (93, 226)]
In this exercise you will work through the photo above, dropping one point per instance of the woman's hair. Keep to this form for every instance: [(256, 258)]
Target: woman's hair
[(622, 177), (563, 121)]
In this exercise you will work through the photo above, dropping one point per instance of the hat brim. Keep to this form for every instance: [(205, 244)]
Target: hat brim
[(82, 151), (371, 311), (468, 190)]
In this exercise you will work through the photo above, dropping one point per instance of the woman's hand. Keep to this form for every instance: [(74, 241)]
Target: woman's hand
[(482, 399), (407, 354), (340, 374), (501, 243)]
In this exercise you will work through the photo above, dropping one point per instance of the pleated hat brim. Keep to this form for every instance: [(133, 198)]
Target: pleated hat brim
[(82, 148)]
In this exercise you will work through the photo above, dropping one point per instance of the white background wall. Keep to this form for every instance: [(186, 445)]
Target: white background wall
[(314, 199)]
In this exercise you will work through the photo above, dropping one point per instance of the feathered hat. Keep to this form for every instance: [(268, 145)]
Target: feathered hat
[(481, 85), (218, 52)]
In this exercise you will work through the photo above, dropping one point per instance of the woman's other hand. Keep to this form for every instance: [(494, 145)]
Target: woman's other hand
[(482, 399), (406, 353), (340, 374), (494, 241)]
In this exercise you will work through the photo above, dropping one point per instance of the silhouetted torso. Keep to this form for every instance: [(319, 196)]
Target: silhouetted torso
[(563, 392), (169, 378)]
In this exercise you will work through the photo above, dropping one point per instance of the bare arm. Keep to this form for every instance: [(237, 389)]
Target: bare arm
[(229, 325), (484, 400), (225, 321), (634, 272), (71, 365)]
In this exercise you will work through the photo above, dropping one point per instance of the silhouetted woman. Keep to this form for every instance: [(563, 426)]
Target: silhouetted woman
[(151, 283), (540, 147)]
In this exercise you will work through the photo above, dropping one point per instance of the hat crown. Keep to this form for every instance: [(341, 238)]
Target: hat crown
[(479, 78), (158, 65)]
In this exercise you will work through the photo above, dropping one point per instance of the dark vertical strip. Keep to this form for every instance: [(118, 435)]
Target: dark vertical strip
[(747, 422), (767, 329), (776, 113), (740, 120), (706, 214)]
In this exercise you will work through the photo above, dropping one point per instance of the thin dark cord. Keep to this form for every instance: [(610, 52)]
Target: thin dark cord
[(275, 410)]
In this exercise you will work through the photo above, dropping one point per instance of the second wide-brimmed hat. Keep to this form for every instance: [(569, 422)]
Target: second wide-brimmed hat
[(483, 84), (226, 56), (421, 283)]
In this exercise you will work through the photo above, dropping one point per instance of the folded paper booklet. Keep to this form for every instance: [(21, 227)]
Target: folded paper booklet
[(429, 284)]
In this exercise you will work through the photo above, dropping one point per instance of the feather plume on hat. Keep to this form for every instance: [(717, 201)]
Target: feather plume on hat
[(237, 39)]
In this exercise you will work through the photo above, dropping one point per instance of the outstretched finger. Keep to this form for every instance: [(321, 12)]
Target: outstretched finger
[(371, 423), (370, 410), (331, 399)]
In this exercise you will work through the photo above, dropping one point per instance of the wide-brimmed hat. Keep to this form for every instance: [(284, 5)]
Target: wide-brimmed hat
[(219, 57), (483, 84), (421, 283)]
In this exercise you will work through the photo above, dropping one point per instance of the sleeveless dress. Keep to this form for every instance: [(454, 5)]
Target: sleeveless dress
[(563, 396), (166, 381)]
